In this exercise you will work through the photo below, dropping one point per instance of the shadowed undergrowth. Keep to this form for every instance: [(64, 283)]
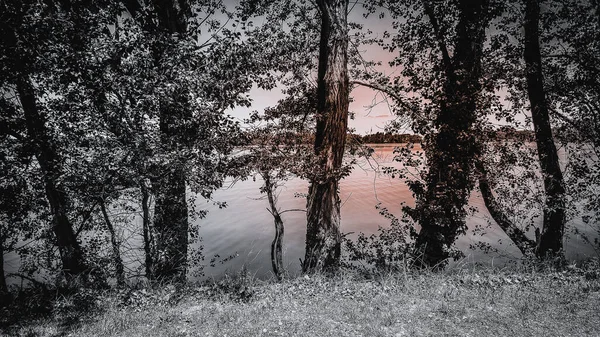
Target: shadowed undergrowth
[(465, 302)]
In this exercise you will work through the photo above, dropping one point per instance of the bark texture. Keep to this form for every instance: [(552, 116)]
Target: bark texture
[(170, 228), (550, 240), (46, 152), (277, 244), (440, 208), (323, 238)]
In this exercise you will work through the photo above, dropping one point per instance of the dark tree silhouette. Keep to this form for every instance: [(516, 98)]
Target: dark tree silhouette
[(553, 227), (440, 208), (20, 56)]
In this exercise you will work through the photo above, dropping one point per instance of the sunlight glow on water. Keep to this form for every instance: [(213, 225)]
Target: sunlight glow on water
[(246, 227)]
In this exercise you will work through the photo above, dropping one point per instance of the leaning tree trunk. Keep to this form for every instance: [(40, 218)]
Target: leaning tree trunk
[(71, 255), (117, 260), (323, 238), (277, 244), (516, 234), (147, 231), (553, 227), (47, 155), (452, 149)]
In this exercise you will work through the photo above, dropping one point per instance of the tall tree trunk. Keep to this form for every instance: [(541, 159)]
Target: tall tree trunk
[(323, 238), (553, 227), (277, 244), (117, 260), (518, 237), (170, 209), (171, 224), (170, 229), (3, 286), (452, 149), (71, 255)]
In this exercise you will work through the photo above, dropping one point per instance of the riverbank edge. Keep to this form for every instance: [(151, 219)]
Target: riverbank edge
[(467, 302)]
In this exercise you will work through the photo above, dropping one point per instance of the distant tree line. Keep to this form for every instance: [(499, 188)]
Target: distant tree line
[(387, 137), (508, 133)]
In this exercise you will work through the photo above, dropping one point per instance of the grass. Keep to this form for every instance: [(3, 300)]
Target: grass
[(474, 302)]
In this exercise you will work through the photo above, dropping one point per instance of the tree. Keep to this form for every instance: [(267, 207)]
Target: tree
[(171, 224), (458, 152), (280, 150), (323, 237), (451, 148), (569, 37), (551, 236), (197, 83), (112, 106), (34, 37)]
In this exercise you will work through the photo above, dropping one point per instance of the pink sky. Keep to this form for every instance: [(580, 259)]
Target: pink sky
[(367, 119)]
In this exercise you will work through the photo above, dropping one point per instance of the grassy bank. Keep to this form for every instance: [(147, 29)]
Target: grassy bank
[(469, 302)]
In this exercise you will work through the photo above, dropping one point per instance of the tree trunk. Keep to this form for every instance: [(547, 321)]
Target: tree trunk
[(323, 238), (146, 231), (46, 153), (170, 227), (167, 260), (452, 149), (3, 286), (118, 262), (170, 209), (277, 244), (518, 237), (553, 227)]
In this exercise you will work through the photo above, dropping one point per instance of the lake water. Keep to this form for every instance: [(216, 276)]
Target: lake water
[(245, 227)]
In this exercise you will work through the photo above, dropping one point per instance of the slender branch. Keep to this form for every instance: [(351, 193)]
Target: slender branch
[(86, 217), (399, 99), (293, 210), (351, 8), (440, 38)]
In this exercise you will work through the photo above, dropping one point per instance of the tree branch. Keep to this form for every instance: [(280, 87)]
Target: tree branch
[(399, 99), (439, 37)]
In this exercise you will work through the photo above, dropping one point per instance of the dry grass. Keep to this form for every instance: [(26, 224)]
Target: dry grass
[(464, 303)]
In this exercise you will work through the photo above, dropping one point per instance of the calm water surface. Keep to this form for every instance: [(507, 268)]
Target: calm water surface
[(245, 227)]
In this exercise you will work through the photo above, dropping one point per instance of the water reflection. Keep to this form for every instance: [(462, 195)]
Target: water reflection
[(245, 227)]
